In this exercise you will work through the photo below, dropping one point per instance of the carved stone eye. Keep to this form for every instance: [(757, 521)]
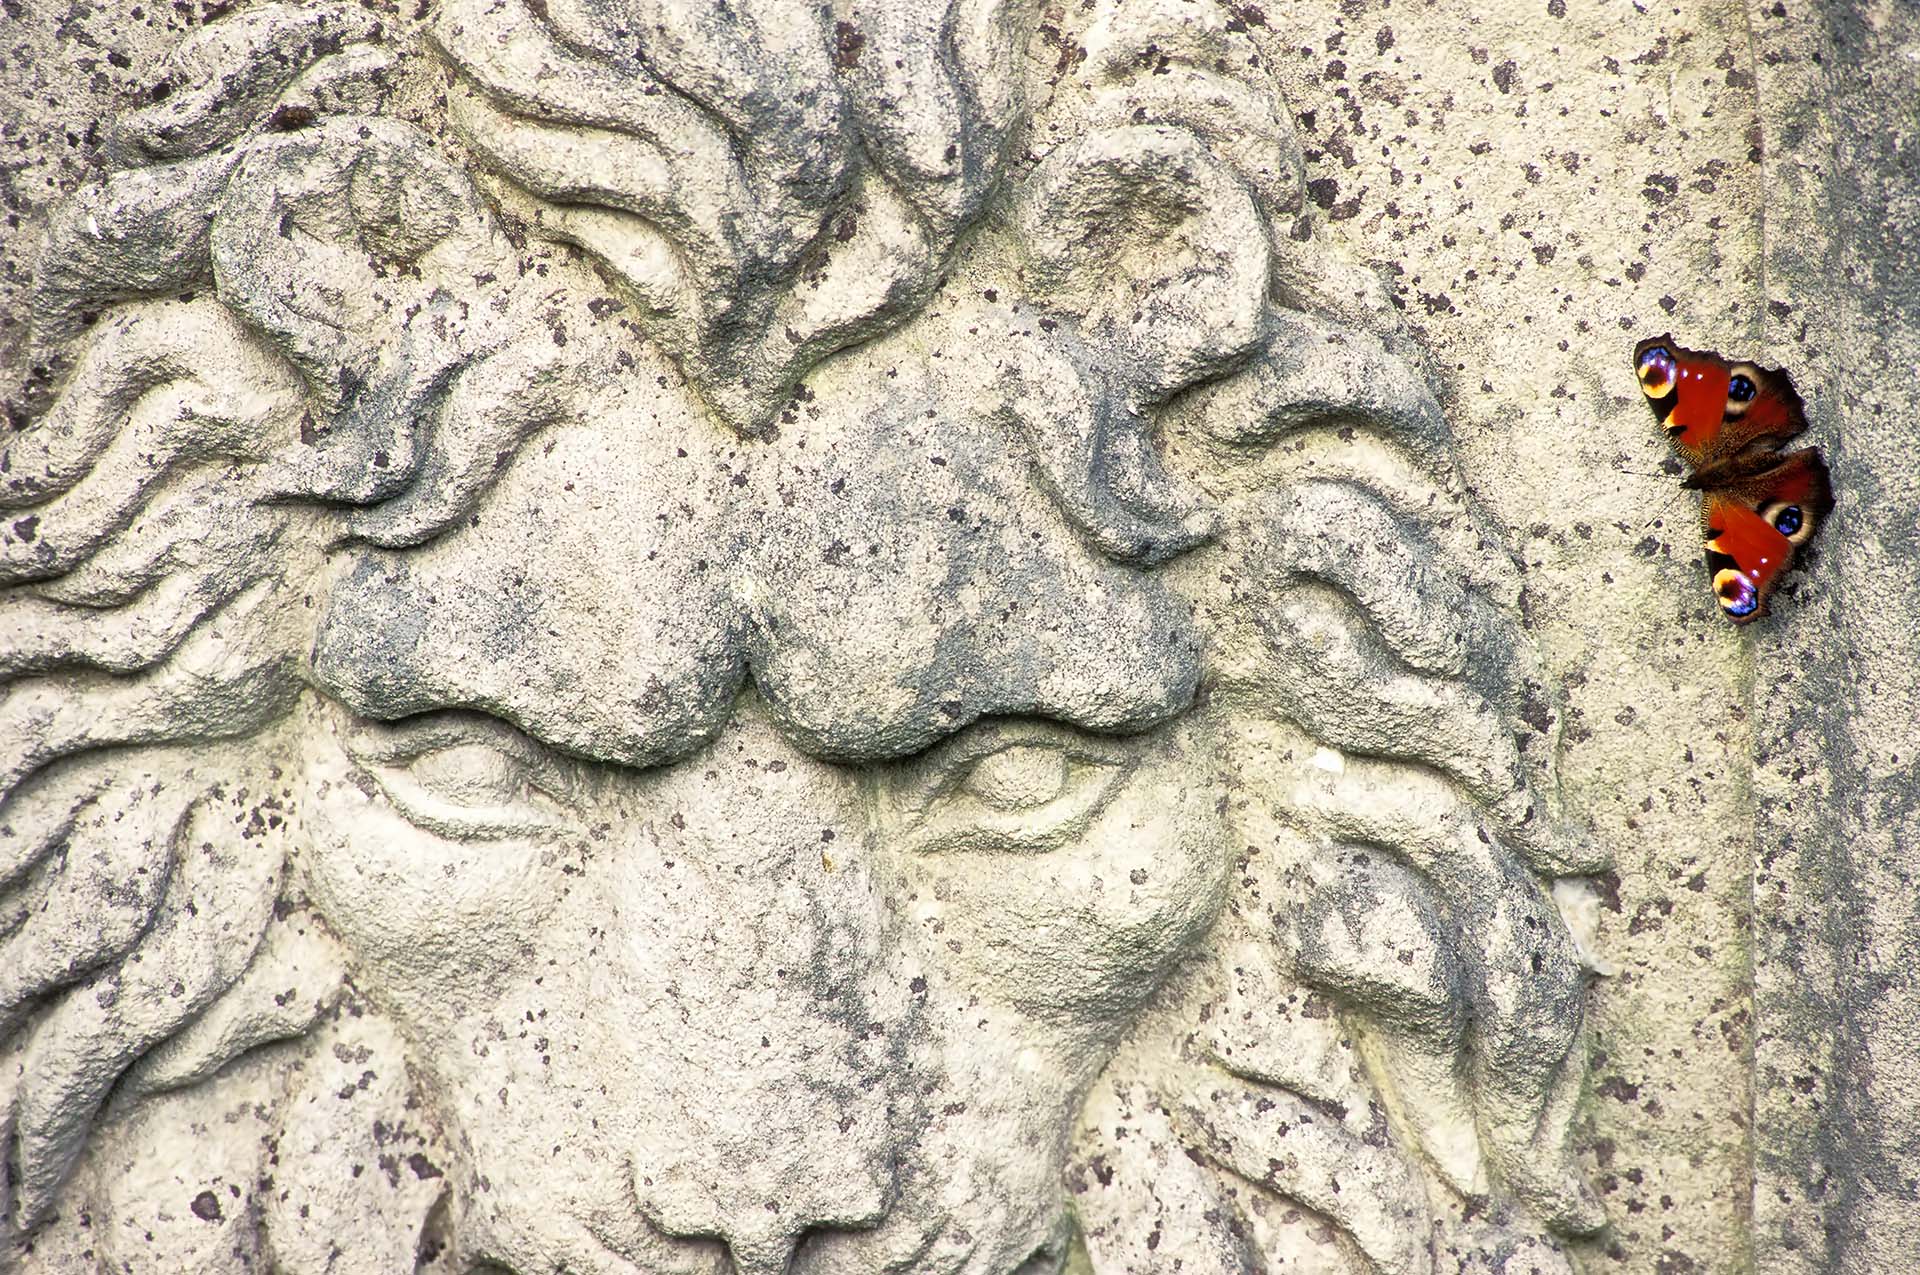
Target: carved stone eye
[(1656, 370), (470, 774), (1016, 787), (1023, 777), (1741, 389), (463, 776)]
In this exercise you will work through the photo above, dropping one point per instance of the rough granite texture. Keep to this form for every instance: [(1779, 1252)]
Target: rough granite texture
[(949, 637)]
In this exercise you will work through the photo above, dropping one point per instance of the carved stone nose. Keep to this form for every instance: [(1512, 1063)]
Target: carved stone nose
[(766, 1236), (765, 1107)]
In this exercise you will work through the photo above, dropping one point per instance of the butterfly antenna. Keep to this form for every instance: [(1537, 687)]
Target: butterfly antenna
[(1664, 509)]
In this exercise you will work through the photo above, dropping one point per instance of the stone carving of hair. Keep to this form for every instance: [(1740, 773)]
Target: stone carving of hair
[(289, 321), (1391, 984)]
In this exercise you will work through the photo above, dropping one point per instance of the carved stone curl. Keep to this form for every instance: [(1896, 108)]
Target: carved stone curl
[(742, 637)]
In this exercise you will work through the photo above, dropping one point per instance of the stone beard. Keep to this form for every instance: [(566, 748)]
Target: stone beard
[(744, 639)]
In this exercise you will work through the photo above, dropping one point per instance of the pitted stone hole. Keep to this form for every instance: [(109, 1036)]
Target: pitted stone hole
[(812, 1249), (1048, 1259), (436, 1237)]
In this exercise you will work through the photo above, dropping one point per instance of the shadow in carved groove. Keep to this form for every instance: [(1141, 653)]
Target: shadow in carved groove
[(818, 641)]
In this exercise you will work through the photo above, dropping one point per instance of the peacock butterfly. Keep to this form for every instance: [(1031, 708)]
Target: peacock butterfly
[(1727, 419)]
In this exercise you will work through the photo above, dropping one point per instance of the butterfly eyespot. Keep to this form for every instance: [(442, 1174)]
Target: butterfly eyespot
[(1741, 389), (1656, 370), (1736, 592), (1789, 520)]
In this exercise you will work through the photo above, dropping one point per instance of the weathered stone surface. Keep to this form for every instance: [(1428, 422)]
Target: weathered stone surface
[(945, 637), (1837, 1005)]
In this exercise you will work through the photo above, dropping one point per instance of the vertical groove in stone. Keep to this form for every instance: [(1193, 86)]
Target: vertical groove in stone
[(1837, 928)]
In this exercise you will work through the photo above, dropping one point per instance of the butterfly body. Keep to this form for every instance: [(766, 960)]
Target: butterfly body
[(1759, 506)]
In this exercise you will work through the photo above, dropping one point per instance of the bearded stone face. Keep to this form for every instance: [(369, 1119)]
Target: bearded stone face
[(663, 661)]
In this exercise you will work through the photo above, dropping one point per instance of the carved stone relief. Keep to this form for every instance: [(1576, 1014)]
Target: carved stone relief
[(653, 637)]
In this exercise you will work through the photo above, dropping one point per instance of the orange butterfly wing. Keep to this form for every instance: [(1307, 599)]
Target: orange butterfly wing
[(1756, 524), (1713, 409)]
